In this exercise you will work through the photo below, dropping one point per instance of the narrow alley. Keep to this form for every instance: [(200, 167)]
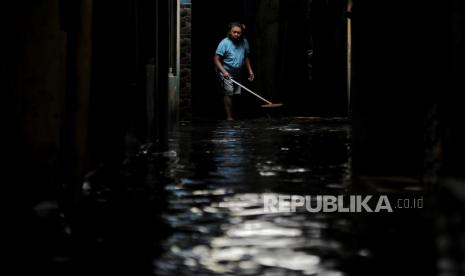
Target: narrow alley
[(121, 156)]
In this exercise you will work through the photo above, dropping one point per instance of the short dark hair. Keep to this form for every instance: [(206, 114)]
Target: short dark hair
[(237, 24)]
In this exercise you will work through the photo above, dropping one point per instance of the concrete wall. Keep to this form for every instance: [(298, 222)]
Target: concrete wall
[(36, 66), (47, 64), (405, 87), (75, 89)]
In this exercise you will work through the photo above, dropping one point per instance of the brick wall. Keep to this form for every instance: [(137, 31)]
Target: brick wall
[(186, 65)]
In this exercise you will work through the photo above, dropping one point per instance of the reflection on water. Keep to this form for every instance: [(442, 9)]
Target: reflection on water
[(215, 199), (197, 209)]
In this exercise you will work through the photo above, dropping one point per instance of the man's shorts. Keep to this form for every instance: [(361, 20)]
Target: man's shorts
[(227, 87)]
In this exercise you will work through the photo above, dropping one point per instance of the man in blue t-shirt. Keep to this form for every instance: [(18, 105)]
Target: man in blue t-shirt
[(230, 57)]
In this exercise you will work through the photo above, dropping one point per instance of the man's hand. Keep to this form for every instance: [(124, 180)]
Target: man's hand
[(251, 76), (226, 74)]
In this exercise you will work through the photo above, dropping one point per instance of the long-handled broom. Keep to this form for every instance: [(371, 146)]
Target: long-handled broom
[(268, 103)]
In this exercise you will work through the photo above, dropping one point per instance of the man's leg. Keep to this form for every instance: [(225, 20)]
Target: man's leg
[(228, 107)]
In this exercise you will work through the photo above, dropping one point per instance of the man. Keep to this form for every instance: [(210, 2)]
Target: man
[(230, 57)]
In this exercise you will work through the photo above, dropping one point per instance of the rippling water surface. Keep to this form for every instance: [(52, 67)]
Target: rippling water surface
[(198, 209), (218, 174)]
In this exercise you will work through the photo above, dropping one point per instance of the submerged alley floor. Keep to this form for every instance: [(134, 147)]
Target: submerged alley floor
[(198, 209)]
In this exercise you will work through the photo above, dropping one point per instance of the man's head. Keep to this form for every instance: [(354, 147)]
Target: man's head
[(236, 31)]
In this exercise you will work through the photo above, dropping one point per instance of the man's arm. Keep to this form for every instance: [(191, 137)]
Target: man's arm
[(219, 65), (249, 68)]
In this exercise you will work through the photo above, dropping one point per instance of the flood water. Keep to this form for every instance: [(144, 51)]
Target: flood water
[(198, 208), (215, 202), (218, 174)]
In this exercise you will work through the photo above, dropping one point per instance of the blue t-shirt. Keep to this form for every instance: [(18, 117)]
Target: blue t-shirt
[(233, 54)]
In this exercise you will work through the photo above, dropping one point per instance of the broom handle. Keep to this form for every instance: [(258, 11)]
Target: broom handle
[(248, 90)]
